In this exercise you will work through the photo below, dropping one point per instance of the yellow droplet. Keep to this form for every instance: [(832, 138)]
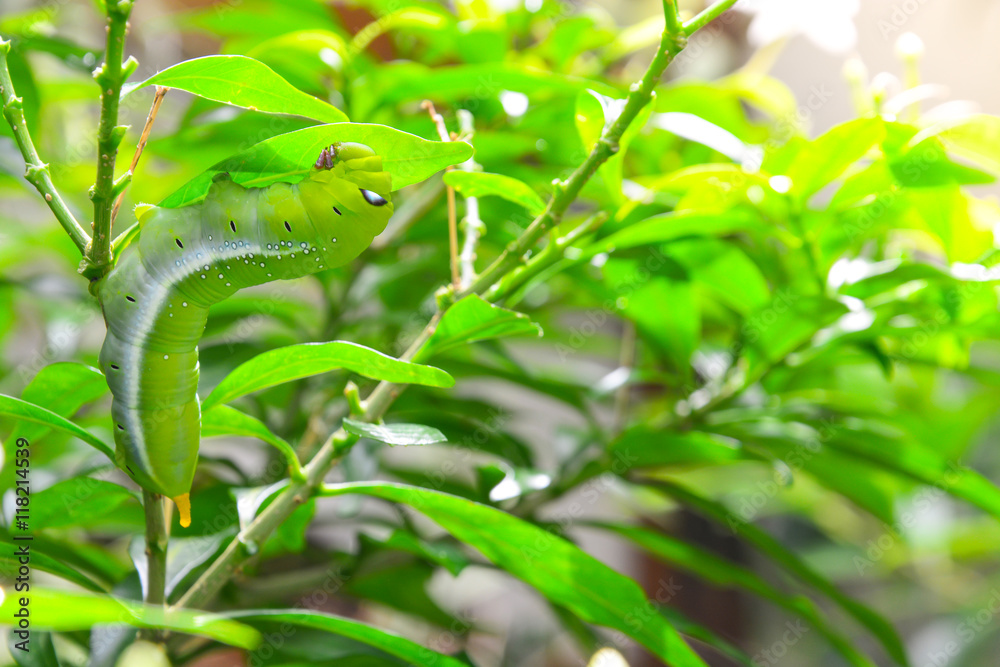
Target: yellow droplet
[(183, 503)]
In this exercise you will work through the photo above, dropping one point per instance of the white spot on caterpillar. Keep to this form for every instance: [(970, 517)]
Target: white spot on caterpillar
[(220, 276), (304, 244), (166, 356), (184, 303), (209, 237), (203, 276), (334, 239), (229, 284), (292, 255), (305, 252)]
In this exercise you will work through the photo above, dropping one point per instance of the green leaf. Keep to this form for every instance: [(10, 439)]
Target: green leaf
[(975, 138), (43, 558), (394, 83), (670, 226), (916, 462), (64, 611), (644, 447), (926, 164), (289, 157), (243, 82), (294, 362), (29, 412), (395, 434), (482, 184), (721, 572), (828, 156), (389, 642), (786, 322), (40, 653), (226, 420), (63, 387), (473, 319), (78, 501), (555, 567), (789, 562)]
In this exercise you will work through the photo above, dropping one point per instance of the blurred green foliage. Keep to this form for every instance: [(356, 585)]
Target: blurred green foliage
[(792, 337)]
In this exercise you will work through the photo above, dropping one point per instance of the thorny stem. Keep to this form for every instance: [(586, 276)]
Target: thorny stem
[(109, 76), (157, 99), (378, 402), (36, 172)]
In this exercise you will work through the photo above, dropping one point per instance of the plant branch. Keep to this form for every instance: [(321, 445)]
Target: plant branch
[(109, 76), (378, 402), (36, 172), (673, 20), (157, 99), (707, 16), (566, 192), (156, 546), (442, 129), (472, 224)]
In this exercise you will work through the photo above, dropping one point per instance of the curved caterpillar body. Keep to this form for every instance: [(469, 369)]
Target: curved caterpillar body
[(156, 299)]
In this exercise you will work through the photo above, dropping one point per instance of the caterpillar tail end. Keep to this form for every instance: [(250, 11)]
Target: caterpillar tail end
[(183, 503)]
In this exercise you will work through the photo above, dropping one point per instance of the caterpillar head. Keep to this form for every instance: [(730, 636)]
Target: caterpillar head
[(348, 195)]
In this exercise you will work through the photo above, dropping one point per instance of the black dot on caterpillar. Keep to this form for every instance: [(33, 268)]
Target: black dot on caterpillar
[(288, 226), (179, 244)]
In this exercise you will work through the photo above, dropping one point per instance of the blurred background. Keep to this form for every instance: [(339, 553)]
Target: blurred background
[(931, 578)]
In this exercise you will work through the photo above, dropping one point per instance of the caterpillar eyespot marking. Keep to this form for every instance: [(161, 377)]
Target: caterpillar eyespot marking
[(155, 408), (373, 198)]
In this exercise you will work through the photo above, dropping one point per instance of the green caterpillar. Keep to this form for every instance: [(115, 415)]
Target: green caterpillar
[(156, 298)]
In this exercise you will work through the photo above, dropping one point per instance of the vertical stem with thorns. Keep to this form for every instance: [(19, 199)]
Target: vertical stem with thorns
[(109, 76)]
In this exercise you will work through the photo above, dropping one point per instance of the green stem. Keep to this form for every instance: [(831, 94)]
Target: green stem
[(673, 20), (109, 76), (707, 16), (378, 402), (552, 253), (156, 547), (36, 172), (567, 191)]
